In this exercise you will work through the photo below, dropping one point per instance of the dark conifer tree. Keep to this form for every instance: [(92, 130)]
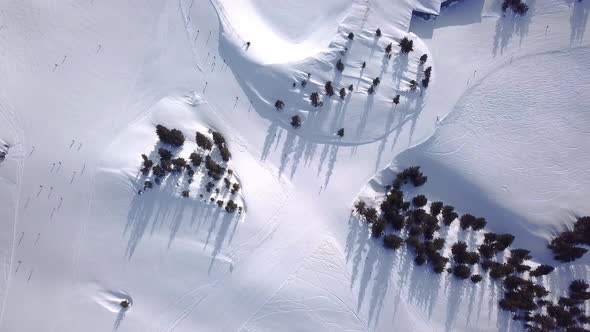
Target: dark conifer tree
[(388, 48), (340, 65), (279, 105), (423, 59), (296, 121), (407, 45), (342, 93)]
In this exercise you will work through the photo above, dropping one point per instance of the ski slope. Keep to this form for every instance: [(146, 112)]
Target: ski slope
[(85, 82)]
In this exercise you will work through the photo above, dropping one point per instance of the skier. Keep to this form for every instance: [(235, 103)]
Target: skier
[(247, 45)]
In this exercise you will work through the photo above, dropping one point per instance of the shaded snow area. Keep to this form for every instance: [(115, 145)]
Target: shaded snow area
[(501, 131)]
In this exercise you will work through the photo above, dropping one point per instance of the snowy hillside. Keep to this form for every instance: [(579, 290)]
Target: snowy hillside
[(501, 131)]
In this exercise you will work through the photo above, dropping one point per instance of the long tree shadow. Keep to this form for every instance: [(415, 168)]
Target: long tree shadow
[(153, 207), (509, 25), (579, 20)]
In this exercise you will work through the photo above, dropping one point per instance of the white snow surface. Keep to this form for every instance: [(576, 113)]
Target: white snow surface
[(84, 82)]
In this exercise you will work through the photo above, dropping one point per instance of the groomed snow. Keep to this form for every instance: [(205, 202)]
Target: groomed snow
[(84, 83)]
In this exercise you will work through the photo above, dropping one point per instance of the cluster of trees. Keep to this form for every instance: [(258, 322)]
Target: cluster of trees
[(214, 170), (517, 6), (173, 137), (566, 246), (169, 164), (468, 220), (219, 140), (523, 296), (526, 300), (426, 79), (203, 142), (412, 174)]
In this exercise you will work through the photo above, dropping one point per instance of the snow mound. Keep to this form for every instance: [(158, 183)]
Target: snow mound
[(514, 152), (140, 138), (365, 117), (283, 31)]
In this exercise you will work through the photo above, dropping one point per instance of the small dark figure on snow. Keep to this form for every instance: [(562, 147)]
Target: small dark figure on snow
[(364, 65), (378, 32), (303, 83), (351, 36), (396, 99), (247, 45), (340, 132), (294, 85), (350, 88)]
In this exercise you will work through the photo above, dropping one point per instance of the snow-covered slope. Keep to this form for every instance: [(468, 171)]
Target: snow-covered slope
[(84, 83)]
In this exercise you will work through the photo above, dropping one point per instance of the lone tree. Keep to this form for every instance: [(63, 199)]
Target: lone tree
[(340, 132), (388, 48), (423, 59), (407, 45), (396, 99), (342, 93), (350, 88), (315, 99), (351, 36), (378, 32), (371, 90), (329, 89), (296, 121), (376, 81), (231, 206), (413, 85), (279, 105), (364, 65), (340, 65)]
